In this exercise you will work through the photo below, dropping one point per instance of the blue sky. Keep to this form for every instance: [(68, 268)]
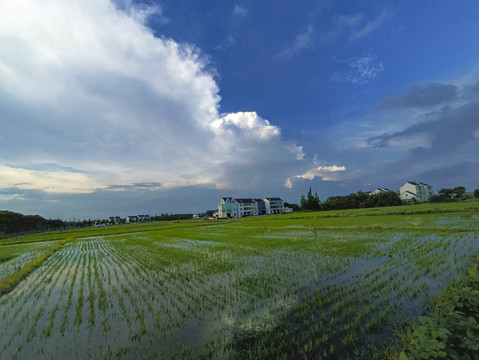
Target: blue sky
[(124, 107)]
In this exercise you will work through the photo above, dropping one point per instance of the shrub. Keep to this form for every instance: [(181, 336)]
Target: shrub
[(452, 330)]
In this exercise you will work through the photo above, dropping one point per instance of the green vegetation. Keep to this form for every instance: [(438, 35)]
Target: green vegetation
[(452, 329), (322, 285), (11, 223), (97, 231), (359, 200), (9, 283), (362, 200), (310, 203), (455, 194)]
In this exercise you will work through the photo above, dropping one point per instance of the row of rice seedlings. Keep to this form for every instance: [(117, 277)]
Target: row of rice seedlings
[(75, 264), (11, 307), (16, 262), (120, 289), (140, 275), (42, 310)]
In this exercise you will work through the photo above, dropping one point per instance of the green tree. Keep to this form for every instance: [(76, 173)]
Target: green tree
[(459, 192), (310, 202), (476, 193), (293, 206)]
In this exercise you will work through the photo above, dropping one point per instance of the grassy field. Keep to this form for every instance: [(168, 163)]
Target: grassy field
[(327, 285)]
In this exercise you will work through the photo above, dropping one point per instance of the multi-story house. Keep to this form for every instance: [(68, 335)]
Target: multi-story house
[(379, 191), (227, 208), (274, 205), (261, 206), (416, 190), (230, 207), (247, 207)]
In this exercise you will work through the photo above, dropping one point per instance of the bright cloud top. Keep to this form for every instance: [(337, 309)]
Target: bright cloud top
[(87, 85), (324, 172)]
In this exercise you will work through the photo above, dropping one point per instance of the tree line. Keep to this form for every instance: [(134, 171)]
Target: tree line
[(359, 200), (16, 223), (310, 202), (455, 194)]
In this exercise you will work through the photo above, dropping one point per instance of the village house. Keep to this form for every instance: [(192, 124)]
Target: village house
[(143, 218), (274, 205), (131, 219), (230, 207), (114, 220), (379, 191), (261, 206), (415, 190)]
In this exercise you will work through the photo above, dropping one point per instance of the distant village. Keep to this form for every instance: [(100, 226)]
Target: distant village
[(232, 207), (239, 207), (235, 207)]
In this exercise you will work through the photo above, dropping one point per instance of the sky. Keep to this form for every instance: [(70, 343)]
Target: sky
[(117, 108)]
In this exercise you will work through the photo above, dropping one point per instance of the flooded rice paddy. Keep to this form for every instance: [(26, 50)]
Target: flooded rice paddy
[(219, 292)]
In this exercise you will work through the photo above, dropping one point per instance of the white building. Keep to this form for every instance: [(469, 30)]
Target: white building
[(415, 190), (274, 205), (247, 207), (131, 219), (379, 191), (227, 208), (114, 220), (230, 207)]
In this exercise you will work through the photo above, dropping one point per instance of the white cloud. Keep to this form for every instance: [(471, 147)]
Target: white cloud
[(362, 69), (324, 172), (248, 123), (288, 183), (141, 12), (240, 10), (229, 42), (354, 26), (295, 149), (350, 20), (370, 26), (88, 86), (9, 197), (302, 41), (47, 181)]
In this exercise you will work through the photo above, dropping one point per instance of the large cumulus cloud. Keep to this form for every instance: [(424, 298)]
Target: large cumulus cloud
[(85, 85)]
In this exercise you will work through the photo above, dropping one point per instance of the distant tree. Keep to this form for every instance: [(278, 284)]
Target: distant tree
[(302, 202), (311, 202), (16, 223), (362, 200), (167, 217), (209, 213), (295, 207), (459, 192), (476, 193), (447, 194)]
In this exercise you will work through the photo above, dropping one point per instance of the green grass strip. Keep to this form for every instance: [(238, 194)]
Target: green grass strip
[(8, 284)]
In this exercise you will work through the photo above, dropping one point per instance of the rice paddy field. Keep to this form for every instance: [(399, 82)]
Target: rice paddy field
[(327, 285)]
